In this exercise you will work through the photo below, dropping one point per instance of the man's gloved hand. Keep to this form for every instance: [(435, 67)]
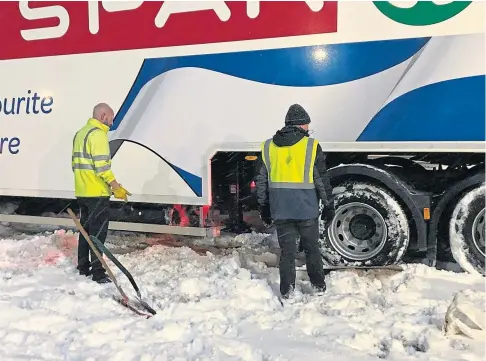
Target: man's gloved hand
[(121, 193), (265, 215), (328, 213)]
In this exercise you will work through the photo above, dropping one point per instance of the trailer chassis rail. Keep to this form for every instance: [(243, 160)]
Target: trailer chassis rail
[(117, 226)]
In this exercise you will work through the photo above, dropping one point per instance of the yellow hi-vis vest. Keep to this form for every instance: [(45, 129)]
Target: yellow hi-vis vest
[(290, 167), (91, 161)]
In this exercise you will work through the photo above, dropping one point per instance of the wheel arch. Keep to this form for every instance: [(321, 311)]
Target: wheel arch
[(412, 200), (453, 193)]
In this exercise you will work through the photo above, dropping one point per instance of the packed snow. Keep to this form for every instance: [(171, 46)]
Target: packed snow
[(219, 307)]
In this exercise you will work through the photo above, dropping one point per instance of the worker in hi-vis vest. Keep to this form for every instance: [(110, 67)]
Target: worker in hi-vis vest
[(94, 184), (290, 180)]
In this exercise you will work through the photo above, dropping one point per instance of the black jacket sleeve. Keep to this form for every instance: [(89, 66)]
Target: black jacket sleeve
[(322, 180), (261, 181)]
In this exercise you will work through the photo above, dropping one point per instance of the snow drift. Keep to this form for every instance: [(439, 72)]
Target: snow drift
[(220, 308)]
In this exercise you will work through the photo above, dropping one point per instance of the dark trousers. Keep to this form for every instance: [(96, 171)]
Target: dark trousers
[(288, 233), (94, 219)]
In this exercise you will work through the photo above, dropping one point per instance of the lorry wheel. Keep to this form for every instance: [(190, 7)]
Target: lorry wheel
[(369, 228), (467, 233)]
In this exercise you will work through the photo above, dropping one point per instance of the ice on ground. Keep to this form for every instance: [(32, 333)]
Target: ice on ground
[(245, 240), (220, 308), (467, 315)]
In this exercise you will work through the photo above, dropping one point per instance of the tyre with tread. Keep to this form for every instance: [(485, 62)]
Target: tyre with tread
[(467, 231), (370, 227)]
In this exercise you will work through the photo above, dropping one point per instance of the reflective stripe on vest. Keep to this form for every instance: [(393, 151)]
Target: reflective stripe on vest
[(306, 182), (87, 156)]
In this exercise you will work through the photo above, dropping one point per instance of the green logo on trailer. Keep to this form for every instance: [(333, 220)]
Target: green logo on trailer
[(422, 13)]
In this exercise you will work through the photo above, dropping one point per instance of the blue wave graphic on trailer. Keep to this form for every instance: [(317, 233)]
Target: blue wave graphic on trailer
[(306, 66), (296, 67), (413, 116), (451, 110)]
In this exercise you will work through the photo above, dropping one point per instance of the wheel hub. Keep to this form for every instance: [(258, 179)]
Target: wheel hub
[(358, 231), (362, 227), (478, 232)]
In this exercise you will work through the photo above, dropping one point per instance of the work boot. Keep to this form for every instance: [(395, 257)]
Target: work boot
[(286, 295), (84, 270), (105, 279), (100, 277), (319, 290)]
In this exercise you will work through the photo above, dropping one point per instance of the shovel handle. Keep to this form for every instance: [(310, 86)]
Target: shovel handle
[(95, 250)]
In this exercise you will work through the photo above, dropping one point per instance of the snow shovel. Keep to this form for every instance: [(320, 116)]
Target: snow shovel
[(124, 301)]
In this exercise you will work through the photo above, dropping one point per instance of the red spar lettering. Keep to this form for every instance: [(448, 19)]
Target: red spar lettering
[(48, 28), (167, 9)]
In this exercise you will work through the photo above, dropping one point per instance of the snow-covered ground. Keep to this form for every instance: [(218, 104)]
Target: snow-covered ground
[(219, 307)]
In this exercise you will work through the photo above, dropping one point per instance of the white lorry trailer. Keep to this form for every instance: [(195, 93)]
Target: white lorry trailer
[(395, 92)]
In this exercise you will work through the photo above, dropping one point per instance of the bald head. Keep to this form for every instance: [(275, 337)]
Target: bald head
[(104, 113)]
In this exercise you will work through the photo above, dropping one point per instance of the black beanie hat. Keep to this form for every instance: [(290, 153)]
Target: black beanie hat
[(296, 115)]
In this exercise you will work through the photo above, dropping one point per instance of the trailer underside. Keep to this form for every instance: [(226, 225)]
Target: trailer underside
[(426, 188)]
